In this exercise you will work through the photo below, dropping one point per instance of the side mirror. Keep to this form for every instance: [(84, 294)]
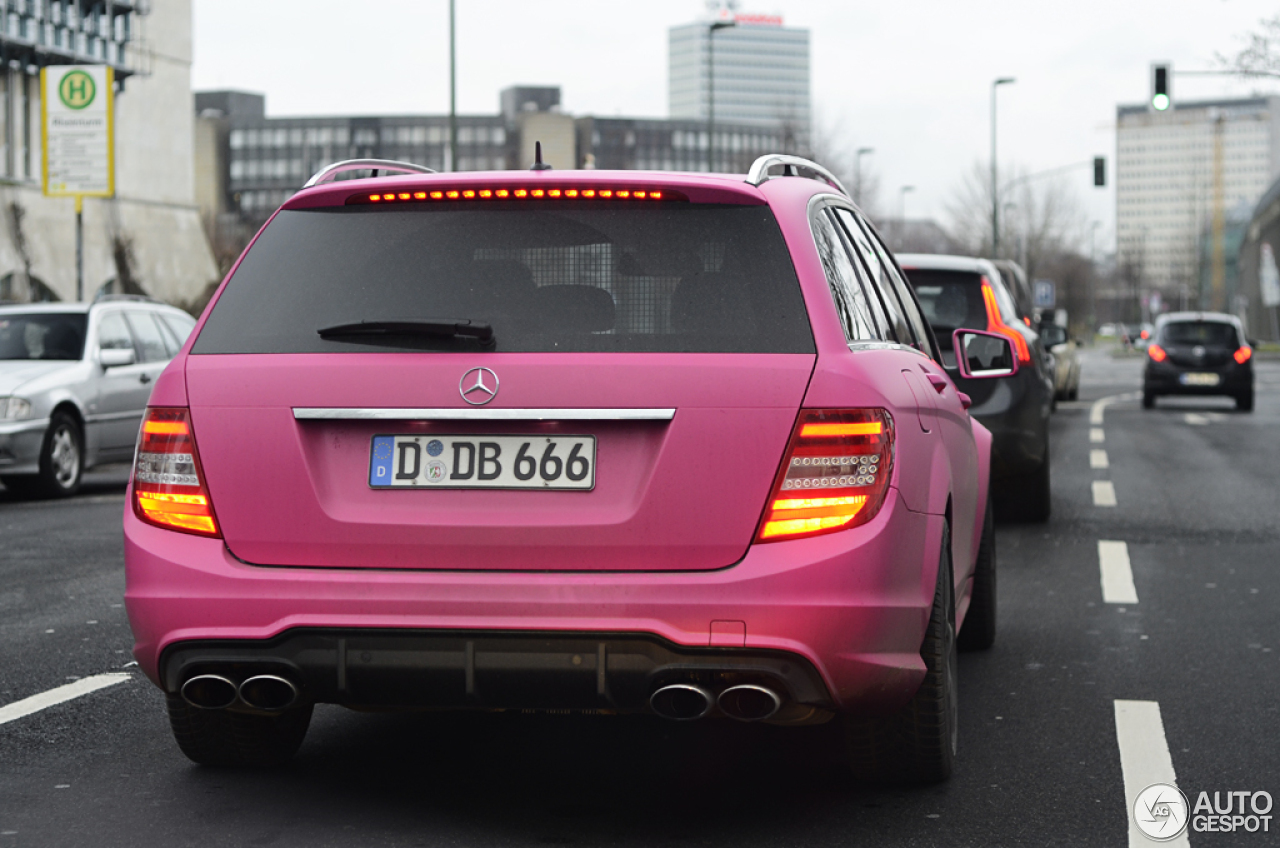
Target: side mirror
[(112, 357), (982, 355)]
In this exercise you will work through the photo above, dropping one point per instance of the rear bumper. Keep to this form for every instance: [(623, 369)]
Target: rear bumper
[(837, 620), (1164, 378)]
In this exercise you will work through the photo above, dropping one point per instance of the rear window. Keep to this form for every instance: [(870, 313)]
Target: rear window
[(562, 277), (949, 299), (1207, 333)]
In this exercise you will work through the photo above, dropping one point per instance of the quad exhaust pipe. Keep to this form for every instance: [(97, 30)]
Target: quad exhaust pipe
[(266, 692), (688, 701)]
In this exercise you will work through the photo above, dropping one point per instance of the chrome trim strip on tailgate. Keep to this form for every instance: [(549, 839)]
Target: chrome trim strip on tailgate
[(303, 413)]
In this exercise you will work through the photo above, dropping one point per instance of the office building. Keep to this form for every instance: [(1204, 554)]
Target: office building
[(760, 72), (1182, 176), (147, 238)]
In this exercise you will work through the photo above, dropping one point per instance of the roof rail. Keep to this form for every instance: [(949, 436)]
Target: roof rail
[(134, 298), (330, 172), (791, 167)]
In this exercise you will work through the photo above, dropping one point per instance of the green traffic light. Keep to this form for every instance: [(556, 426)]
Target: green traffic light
[(1160, 102)]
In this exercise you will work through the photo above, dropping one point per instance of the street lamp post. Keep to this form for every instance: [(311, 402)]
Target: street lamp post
[(711, 89), (995, 191), (1093, 278), (857, 173), (453, 96), (902, 215)]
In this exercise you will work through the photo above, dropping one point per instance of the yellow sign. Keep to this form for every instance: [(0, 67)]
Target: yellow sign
[(78, 133)]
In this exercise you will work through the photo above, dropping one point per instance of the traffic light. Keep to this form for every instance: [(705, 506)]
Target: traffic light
[(1160, 89), (1099, 171)]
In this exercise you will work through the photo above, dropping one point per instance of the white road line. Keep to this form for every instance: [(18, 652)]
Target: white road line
[(1144, 760), (1100, 405), (1117, 575), (1097, 435), (1196, 419), (1098, 459), (1104, 494), (83, 686)]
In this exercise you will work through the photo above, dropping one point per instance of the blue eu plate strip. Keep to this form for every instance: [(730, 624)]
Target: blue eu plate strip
[(384, 449)]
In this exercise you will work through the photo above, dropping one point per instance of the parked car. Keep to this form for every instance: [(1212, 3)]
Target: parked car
[(963, 292), (1199, 353), (683, 445), (1066, 360), (74, 381)]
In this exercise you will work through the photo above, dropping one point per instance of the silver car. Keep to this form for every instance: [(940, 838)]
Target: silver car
[(74, 382)]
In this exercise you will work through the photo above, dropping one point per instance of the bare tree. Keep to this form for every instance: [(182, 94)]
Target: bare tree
[(1038, 219), (1260, 54), (836, 150)]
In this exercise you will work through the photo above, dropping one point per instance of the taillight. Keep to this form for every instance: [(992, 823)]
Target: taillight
[(1156, 353), (834, 476), (1242, 355), (996, 324), (168, 486)]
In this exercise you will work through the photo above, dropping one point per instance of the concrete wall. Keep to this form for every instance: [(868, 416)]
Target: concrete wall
[(154, 210)]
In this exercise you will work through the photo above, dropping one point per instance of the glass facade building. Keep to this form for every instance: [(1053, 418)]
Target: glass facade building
[(761, 73)]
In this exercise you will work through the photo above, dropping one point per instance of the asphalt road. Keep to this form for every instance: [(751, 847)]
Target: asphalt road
[(1197, 491)]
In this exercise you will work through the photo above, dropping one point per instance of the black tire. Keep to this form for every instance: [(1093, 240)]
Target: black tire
[(1244, 402), (61, 462), (1148, 400), (1074, 392), (225, 738), (979, 630), (917, 744), (1028, 498)]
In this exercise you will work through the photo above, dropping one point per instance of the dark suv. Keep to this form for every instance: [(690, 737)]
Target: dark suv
[(964, 292), (1199, 353)]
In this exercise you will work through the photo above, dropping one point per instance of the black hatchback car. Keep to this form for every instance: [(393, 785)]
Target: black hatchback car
[(1199, 353), (963, 292)]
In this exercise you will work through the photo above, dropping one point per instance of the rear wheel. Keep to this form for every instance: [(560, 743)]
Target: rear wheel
[(979, 631), (918, 743), (1244, 402), (1148, 400), (225, 738), (1028, 498)]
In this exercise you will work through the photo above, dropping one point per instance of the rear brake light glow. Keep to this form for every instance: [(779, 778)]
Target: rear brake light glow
[(168, 485), (1242, 355), (996, 324), (1157, 353), (557, 193), (834, 476)]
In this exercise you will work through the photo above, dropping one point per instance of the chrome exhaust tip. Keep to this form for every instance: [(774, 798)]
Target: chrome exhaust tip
[(749, 702), (268, 692), (209, 692), (682, 702)]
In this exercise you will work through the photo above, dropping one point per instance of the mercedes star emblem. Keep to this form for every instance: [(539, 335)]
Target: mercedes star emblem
[(478, 386)]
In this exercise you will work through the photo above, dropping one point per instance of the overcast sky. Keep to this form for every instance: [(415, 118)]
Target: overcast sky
[(911, 79)]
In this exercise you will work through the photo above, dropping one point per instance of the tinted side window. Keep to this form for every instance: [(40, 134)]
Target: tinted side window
[(150, 343), (181, 326), (910, 306), (873, 299), (113, 333), (879, 279), (851, 305)]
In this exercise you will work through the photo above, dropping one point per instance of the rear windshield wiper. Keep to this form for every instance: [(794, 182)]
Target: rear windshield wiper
[(440, 328)]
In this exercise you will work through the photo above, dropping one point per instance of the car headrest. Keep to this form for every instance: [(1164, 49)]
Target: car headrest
[(583, 309)]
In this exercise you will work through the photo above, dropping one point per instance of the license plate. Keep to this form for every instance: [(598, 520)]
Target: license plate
[(1195, 379), (482, 462)]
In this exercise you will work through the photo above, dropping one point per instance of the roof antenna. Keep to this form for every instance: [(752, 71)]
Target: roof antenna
[(538, 164)]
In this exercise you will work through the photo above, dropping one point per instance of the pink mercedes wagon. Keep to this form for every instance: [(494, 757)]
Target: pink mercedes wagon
[(615, 442)]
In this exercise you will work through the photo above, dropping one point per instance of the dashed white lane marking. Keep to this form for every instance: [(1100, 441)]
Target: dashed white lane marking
[(1100, 405), (1098, 459), (1144, 760), (1097, 435), (62, 694), (1104, 494), (1117, 575)]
